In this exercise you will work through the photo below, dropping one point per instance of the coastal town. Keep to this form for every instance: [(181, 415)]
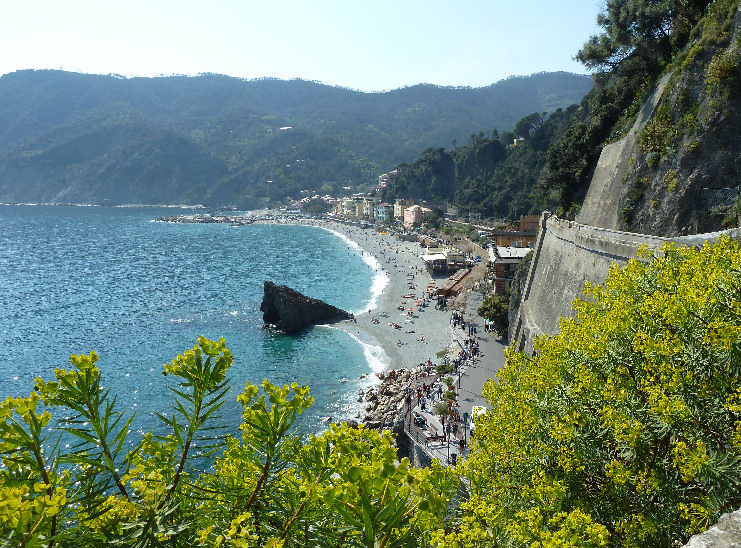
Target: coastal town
[(439, 351)]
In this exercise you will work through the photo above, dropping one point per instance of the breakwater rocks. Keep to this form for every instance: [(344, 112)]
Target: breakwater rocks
[(290, 311), (207, 218), (385, 403)]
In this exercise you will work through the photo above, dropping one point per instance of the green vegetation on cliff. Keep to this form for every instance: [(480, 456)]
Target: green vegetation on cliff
[(489, 174), (692, 137), (68, 137)]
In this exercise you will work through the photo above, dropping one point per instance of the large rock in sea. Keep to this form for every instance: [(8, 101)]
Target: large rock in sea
[(290, 311)]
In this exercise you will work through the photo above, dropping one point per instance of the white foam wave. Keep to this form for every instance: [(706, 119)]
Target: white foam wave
[(375, 355), (380, 279)]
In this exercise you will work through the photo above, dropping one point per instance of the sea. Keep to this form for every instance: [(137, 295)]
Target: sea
[(138, 292)]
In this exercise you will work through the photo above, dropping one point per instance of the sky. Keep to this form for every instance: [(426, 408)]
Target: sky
[(368, 45)]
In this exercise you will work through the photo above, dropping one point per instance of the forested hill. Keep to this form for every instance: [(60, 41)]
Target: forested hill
[(662, 121), (68, 137)]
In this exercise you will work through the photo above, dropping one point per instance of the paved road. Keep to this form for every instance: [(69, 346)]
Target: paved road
[(490, 360)]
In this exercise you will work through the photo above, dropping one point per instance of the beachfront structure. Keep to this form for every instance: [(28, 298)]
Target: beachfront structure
[(503, 261), (384, 213), (455, 258), (454, 284), (399, 206), (435, 260), (444, 259), (346, 208)]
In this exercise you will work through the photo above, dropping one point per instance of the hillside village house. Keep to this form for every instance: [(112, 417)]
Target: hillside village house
[(503, 261)]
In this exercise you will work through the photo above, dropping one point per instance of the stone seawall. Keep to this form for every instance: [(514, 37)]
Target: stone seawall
[(567, 254)]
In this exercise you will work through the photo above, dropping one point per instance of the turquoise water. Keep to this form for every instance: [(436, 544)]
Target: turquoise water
[(138, 292)]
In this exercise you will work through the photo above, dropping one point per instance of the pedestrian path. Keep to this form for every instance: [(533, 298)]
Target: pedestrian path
[(423, 426)]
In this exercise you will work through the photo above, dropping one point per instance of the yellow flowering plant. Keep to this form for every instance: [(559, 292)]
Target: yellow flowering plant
[(623, 429), (266, 488)]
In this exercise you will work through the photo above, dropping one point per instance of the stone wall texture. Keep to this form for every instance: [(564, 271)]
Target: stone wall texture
[(725, 534), (567, 254)]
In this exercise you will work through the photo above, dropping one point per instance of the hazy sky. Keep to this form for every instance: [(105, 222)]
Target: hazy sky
[(370, 45)]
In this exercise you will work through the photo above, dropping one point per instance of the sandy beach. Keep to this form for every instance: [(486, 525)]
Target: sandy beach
[(396, 331), (405, 322), (399, 333)]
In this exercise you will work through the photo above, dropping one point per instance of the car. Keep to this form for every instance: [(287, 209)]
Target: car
[(475, 410), (478, 258)]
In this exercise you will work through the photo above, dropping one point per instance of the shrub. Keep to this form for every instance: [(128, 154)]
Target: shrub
[(624, 429)]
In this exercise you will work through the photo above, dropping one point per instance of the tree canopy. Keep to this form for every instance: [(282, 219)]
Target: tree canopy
[(645, 27)]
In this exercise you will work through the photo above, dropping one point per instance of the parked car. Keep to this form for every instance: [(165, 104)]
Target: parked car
[(475, 410)]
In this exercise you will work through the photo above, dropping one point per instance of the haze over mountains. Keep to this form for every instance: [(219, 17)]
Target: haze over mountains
[(75, 138)]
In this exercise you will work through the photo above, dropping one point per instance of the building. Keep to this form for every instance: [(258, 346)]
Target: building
[(529, 223), (435, 260), (369, 207), (503, 262), (384, 213), (455, 258), (346, 208), (399, 206), (413, 216)]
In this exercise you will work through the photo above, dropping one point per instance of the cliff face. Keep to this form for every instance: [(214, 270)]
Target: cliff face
[(290, 311), (678, 170)]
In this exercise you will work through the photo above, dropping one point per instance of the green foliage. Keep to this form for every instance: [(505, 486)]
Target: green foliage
[(213, 139), (316, 207), (441, 409), (496, 309), (641, 27), (670, 180), (489, 177), (659, 132), (722, 72), (624, 429), (430, 177), (267, 488)]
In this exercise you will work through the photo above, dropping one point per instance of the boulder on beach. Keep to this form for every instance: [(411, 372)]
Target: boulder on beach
[(290, 311)]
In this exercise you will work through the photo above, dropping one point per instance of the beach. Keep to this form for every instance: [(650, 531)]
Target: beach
[(403, 333), (396, 332)]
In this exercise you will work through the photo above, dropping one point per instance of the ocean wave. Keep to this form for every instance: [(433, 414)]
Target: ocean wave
[(380, 279), (375, 355)]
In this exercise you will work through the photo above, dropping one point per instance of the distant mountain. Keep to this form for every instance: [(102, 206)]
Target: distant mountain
[(68, 137)]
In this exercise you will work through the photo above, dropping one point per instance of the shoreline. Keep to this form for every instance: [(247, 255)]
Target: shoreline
[(423, 332)]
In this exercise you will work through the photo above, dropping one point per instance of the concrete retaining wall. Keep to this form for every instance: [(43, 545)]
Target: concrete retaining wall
[(567, 254)]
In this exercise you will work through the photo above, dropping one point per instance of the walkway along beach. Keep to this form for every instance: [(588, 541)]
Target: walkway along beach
[(406, 333)]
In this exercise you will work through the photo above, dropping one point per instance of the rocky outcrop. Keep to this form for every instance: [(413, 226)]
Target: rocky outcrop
[(726, 534), (386, 402), (290, 311), (678, 170)]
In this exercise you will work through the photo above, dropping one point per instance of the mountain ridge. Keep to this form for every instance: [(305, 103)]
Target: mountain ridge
[(79, 136)]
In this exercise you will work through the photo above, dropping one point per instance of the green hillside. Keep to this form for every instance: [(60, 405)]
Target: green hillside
[(67, 137)]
